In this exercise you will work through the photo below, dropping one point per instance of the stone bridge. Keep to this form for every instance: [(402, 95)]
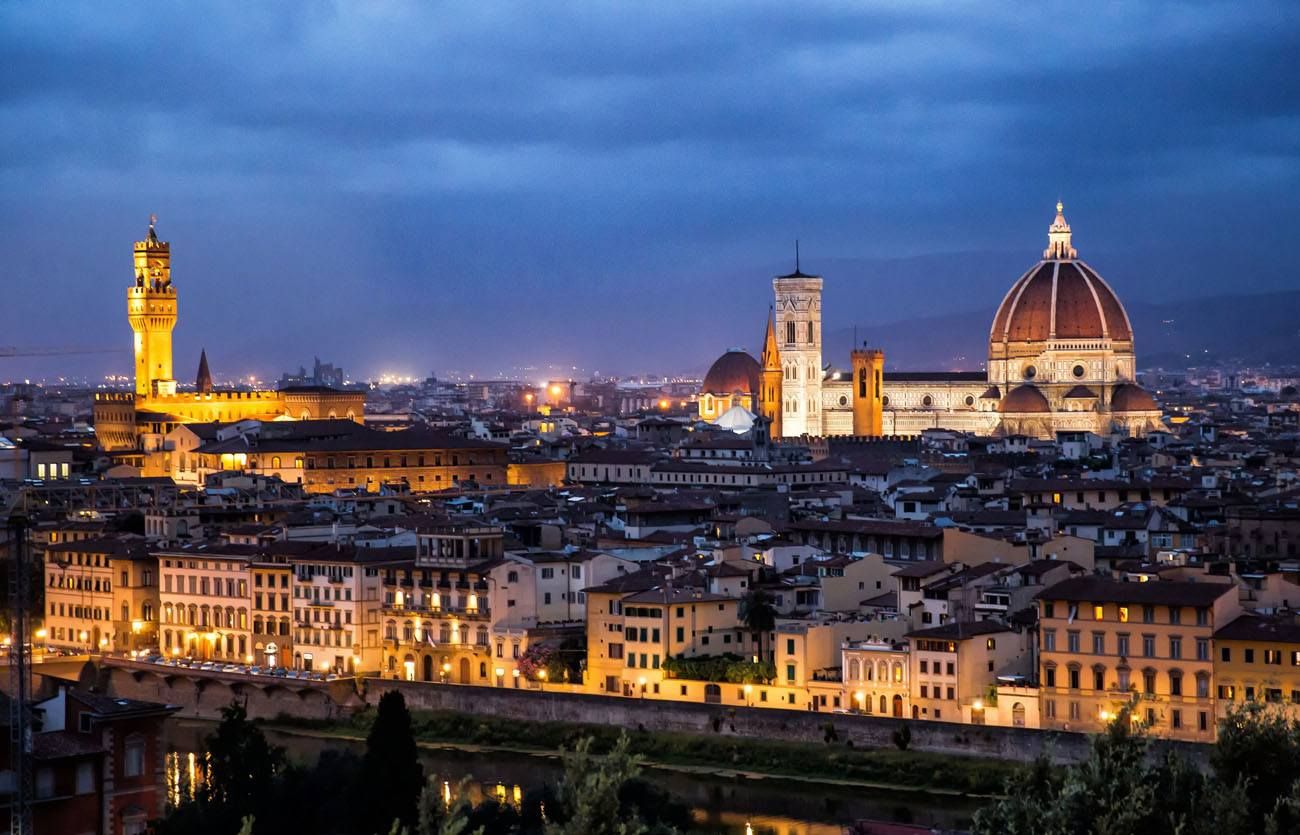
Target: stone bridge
[(203, 693)]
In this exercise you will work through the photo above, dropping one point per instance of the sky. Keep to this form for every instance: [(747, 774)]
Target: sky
[(483, 187)]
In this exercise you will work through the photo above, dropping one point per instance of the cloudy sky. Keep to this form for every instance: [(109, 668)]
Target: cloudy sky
[(428, 187)]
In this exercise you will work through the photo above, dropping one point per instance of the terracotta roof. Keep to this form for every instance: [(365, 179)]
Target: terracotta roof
[(1063, 299), (960, 631), (1161, 592), (1081, 391), (1253, 628), (734, 371)]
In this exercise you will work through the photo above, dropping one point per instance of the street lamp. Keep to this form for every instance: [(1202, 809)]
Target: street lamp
[(501, 674), (446, 671), (515, 674), (748, 688), (542, 675), (641, 681)]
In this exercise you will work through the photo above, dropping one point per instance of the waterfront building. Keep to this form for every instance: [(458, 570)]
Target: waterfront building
[(101, 594), (1106, 644), (1257, 659), (955, 666), (877, 677)]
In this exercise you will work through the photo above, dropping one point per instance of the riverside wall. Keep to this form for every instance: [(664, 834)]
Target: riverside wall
[(202, 697)]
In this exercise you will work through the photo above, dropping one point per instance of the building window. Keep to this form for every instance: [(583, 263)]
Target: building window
[(133, 758), (85, 778)]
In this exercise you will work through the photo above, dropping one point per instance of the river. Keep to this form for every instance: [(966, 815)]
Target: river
[(721, 805)]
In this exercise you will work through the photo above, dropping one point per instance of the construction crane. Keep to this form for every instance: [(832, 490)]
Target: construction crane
[(12, 351)]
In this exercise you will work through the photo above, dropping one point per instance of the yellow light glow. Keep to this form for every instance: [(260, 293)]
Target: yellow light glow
[(664, 404), (555, 391), (978, 704), (446, 666), (515, 672), (248, 659), (40, 633), (748, 688), (500, 672), (137, 626), (860, 696), (542, 675)]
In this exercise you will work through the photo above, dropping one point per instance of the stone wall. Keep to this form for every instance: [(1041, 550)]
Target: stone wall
[(204, 698)]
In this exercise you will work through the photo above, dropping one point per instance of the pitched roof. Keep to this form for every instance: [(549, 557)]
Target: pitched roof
[(1159, 592)]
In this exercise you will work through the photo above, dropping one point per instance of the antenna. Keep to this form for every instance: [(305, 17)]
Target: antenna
[(796, 255)]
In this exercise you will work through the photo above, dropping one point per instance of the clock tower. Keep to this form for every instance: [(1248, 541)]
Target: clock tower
[(151, 310)]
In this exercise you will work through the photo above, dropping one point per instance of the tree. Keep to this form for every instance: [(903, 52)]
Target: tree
[(242, 765), (1261, 746), (591, 793), (1119, 790), (391, 774), (758, 614)]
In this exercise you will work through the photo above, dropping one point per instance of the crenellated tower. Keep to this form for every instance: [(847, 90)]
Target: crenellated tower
[(151, 310), (769, 399)]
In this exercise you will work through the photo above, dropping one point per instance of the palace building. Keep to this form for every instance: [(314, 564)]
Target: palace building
[(1060, 359), (137, 421)]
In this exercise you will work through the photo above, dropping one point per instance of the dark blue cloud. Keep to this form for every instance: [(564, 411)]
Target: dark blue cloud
[(480, 185)]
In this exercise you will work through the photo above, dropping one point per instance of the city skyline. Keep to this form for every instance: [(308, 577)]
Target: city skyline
[(490, 171)]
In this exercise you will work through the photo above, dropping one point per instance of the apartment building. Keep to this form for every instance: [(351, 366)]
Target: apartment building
[(953, 666), (205, 595), (1258, 659), (1108, 643), (272, 610), (337, 604), (101, 595)]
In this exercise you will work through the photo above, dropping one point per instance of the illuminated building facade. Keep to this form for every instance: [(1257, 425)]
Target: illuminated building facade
[(1060, 359), (127, 421)]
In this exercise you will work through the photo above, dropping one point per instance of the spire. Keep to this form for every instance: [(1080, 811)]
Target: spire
[(771, 356), (152, 237), (203, 383), (1058, 238)]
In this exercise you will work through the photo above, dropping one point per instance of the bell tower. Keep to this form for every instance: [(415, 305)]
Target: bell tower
[(769, 395), (799, 333), (151, 310)]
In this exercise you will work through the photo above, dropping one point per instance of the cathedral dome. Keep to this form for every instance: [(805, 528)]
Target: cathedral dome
[(735, 372), (1024, 399), (1128, 397), (1060, 297)]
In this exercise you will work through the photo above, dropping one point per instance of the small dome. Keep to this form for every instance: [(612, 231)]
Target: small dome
[(1128, 397), (1024, 399), (1080, 392), (735, 372), (991, 393), (736, 419)]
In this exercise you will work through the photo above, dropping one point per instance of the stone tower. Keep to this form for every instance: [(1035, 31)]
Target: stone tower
[(868, 407), (799, 334), (769, 395), (151, 310)]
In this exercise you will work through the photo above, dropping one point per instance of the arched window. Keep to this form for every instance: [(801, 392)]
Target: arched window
[(1017, 715), (855, 670), (898, 672)]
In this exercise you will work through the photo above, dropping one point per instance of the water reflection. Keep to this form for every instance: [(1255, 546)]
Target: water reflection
[(721, 806)]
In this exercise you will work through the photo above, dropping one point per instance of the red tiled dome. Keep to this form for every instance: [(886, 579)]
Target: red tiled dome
[(733, 372), (1128, 397), (1024, 399), (1060, 300)]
